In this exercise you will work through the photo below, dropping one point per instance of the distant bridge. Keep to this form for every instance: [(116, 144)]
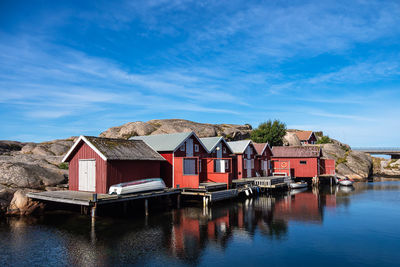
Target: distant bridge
[(394, 152)]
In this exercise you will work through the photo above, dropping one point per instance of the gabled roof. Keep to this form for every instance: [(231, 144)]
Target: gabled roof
[(296, 151), (167, 142), (304, 135), (260, 147), (238, 147), (116, 149), (211, 143)]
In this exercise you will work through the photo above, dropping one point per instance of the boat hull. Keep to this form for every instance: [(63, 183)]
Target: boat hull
[(346, 183), (298, 185), (137, 186)]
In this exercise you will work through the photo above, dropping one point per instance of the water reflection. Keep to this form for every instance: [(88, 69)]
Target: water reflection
[(172, 238)]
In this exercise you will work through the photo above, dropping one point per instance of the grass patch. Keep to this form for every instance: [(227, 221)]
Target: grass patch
[(63, 166)]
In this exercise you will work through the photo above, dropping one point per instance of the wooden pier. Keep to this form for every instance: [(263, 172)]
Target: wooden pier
[(88, 200), (269, 182)]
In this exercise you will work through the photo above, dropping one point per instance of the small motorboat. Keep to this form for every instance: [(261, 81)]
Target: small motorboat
[(137, 186), (298, 185), (346, 181), (297, 191)]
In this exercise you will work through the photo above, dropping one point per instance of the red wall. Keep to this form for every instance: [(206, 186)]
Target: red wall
[(265, 156), (167, 168), (190, 181), (241, 172), (328, 166), (120, 171), (110, 172), (85, 152), (299, 170), (217, 177)]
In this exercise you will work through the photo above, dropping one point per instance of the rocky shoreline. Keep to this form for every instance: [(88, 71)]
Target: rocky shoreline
[(32, 167)]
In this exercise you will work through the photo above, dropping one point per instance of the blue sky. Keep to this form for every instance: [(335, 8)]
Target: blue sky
[(79, 67)]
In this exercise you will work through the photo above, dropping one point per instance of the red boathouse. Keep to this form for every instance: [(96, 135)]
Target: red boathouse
[(182, 152), (297, 161), (245, 156), (263, 159), (218, 164), (96, 163)]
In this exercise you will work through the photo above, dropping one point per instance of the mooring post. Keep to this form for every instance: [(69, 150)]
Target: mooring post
[(204, 202), (146, 207), (93, 212)]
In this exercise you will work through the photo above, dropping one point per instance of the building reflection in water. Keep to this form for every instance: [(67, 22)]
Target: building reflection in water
[(175, 236)]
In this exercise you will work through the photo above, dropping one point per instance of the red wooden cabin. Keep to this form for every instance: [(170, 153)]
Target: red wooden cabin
[(263, 159), (96, 163), (306, 137), (243, 164), (182, 152), (218, 164), (302, 161)]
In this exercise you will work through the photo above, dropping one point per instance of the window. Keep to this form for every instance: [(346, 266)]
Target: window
[(182, 148), (252, 163), (303, 162), (224, 149), (189, 166), (196, 148)]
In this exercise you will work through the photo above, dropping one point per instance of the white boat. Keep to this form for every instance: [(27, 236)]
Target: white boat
[(298, 185), (297, 190), (346, 182), (137, 186)]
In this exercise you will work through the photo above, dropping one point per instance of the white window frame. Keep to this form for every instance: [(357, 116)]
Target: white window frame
[(224, 149), (182, 148), (196, 148)]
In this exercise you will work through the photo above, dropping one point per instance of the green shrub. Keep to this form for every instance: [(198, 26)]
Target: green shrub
[(324, 140), (63, 166)]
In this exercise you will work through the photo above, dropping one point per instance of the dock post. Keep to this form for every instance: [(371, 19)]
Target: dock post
[(204, 202), (93, 213), (146, 207)]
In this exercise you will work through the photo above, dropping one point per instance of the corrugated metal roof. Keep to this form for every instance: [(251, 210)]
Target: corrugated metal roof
[(121, 149), (296, 151), (164, 142), (238, 147), (303, 135), (211, 142)]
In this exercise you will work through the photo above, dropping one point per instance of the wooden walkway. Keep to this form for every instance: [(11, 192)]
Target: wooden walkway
[(87, 198)]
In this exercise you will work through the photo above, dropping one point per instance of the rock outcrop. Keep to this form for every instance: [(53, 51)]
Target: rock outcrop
[(353, 164), (291, 139), (29, 166), (386, 167), (228, 131), (22, 205)]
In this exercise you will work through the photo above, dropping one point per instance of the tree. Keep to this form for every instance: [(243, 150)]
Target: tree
[(324, 140), (271, 132)]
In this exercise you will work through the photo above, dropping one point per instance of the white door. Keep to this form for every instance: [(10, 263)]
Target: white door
[(248, 167), (189, 147), (220, 164), (248, 152), (87, 175), (265, 167)]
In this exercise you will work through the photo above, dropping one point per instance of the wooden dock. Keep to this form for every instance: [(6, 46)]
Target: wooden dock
[(269, 182), (88, 199)]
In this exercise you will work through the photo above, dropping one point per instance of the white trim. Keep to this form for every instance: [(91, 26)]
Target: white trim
[(198, 139), (83, 138)]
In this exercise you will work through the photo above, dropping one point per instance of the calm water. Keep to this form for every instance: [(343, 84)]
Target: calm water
[(311, 228)]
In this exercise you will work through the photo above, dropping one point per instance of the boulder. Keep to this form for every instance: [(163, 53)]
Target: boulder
[(9, 146), (291, 139), (386, 167), (229, 131), (353, 164), (22, 205), (24, 175), (6, 195)]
